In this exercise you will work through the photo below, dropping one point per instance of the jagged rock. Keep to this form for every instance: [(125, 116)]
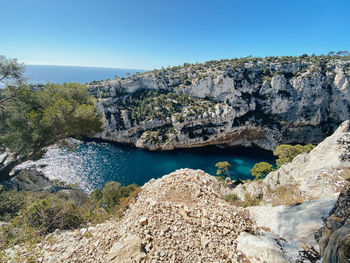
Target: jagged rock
[(334, 236), (127, 250), (338, 247), (297, 102), (180, 217), (30, 180), (311, 183)]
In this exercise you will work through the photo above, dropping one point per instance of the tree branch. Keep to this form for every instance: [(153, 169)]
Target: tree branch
[(6, 99)]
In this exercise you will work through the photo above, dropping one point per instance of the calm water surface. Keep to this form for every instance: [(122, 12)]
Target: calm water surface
[(91, 164), (59, 74)]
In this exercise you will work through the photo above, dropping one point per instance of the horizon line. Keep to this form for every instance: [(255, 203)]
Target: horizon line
[(60, 65)]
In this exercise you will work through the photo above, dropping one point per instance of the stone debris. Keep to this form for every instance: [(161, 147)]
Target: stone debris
[(178, 218)]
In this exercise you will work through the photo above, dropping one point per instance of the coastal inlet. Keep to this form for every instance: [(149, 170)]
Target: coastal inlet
[(92, 164)]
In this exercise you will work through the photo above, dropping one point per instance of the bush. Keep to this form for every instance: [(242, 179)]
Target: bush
[(286, 152), (33, 215), (113, 192), (12, 202), (249, 200), (261, 169), (47, 215)]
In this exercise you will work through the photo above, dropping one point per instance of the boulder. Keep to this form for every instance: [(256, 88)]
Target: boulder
[(127, 250)]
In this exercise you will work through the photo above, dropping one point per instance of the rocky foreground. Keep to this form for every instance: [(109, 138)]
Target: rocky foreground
[(178, 218), (183, 217)]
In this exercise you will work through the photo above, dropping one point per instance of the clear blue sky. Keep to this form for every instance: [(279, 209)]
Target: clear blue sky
[(154, 33)]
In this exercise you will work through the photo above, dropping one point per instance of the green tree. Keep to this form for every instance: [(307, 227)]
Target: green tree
[(37, 117), (223, 167), (11, 71), (261, 169), (286, 152)]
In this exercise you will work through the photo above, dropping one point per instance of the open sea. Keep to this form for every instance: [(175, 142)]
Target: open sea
[(59, 74), (92, 164)]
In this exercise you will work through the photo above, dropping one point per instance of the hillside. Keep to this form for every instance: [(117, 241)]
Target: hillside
[(247, 101), (183, 217)]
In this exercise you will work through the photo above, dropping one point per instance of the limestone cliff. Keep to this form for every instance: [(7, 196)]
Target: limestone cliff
[(252, 101)]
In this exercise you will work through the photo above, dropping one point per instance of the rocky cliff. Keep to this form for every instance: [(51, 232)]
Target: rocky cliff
[(251, 101)]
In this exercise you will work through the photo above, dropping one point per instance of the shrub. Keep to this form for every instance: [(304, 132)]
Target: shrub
[(261, 169), (249, 200), (47, 215), (286, 152)]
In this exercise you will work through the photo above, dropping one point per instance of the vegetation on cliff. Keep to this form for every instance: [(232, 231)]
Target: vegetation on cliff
[(145, 105), (286, 153)]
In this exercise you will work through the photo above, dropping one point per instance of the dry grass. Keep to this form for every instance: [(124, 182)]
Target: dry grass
[(248, 201), (286, 195)]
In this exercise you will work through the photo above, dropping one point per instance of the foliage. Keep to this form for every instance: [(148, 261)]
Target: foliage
[(146, 105), (286, 152), (11, 72), (112, 193), (37, 117), (231, 198), (223, 167), (11, 202), (49, 214), (31, 215), (261, 169)]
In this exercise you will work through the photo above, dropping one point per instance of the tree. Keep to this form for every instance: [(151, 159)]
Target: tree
[(261, 169), (223, 167), (11, 70), (36, 118), (11, 73), (286, 152)]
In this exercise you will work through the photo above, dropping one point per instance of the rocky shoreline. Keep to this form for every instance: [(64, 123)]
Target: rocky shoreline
[(183, 217)]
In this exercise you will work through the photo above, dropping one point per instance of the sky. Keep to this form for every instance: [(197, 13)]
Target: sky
[(151, 34)]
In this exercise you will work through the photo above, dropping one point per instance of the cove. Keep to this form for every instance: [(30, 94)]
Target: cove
[(92, 164)]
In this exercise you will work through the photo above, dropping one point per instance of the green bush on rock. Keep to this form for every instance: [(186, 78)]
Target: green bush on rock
[(112, 193), (286, 153), (261, 169)]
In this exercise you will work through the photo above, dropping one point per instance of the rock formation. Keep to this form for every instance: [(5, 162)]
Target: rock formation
[(261, 102), (334, 236)]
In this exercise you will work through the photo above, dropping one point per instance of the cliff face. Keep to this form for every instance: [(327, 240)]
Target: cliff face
[(263, 102)]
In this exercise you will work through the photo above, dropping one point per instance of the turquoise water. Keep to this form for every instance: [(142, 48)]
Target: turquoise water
[(59, 74), (92, 164)]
